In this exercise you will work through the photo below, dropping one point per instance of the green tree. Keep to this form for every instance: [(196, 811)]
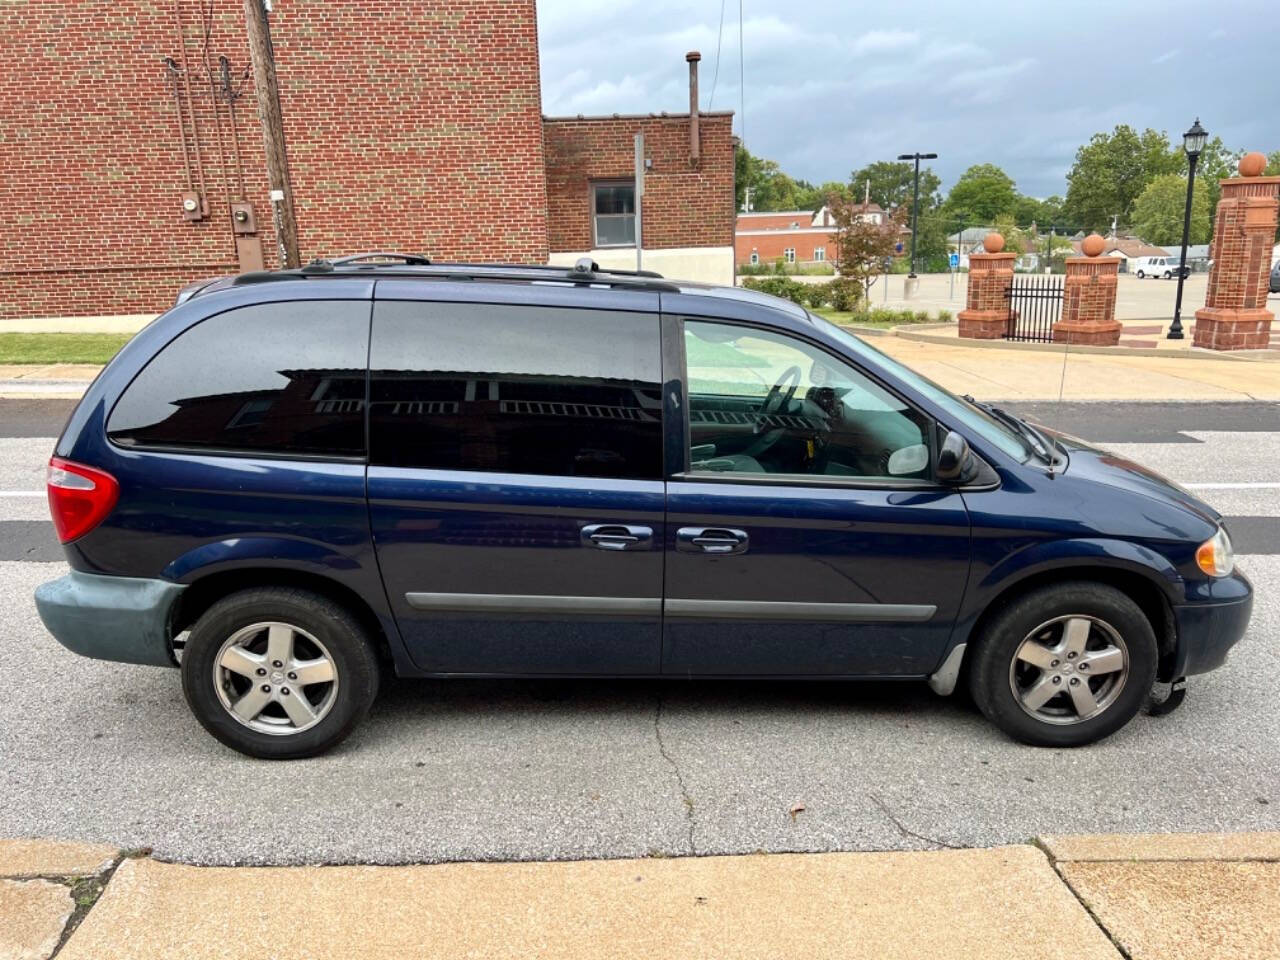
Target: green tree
[(1111, 170), (890, 183), (1159, 209), (863, 246), (983, 193), (770, 188)]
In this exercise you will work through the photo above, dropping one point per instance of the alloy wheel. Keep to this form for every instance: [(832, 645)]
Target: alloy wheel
[(275, 678), (1069, 669)]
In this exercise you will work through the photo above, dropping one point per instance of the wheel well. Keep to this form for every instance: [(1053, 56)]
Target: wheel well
[(205, 592), (1141, 590)]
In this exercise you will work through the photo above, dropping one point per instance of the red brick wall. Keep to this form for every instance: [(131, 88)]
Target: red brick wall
[(770, 246), (419, 132), (684, 206)]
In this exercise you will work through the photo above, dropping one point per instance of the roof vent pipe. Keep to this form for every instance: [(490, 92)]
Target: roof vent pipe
[(693, 56)]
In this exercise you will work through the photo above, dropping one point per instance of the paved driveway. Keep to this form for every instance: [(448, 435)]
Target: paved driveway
[(520, 770)]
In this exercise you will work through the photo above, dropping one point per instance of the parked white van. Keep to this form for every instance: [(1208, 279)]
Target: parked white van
[(1166, 267)]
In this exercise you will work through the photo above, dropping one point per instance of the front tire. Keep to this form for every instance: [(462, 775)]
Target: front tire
[(1168, 275), (1141, 275), (1064, 665), (279, 673)]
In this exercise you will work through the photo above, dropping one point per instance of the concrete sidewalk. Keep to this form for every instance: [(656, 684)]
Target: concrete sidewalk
[(1105, 897)]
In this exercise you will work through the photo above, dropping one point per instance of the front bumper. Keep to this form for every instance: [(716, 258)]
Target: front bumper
[(110, 618), (1207, 630)]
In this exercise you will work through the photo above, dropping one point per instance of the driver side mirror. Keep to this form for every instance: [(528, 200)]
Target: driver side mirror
[(954, 459)]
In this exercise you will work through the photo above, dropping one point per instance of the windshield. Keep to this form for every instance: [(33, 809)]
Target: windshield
[(986, 426)]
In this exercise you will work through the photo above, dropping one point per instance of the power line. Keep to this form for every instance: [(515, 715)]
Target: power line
[(742, 85), (716, 76)]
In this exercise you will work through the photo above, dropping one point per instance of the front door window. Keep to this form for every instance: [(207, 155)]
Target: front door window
[(765, 403)]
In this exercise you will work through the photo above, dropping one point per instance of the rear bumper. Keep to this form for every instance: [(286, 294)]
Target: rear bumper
[(110, 618), (1208, 630)]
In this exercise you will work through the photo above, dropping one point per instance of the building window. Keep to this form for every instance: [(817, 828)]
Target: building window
[(613, 210), (755, 258), (819, 254), (789, 254)]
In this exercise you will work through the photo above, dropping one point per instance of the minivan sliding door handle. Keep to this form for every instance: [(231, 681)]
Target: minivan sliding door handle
[(714, 540), (616, 536)]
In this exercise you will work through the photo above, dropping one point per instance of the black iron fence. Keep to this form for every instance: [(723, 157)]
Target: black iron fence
[(1035, 303)]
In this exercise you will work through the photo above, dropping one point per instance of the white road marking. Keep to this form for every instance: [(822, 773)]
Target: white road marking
[(1259, 485), (22, 493)]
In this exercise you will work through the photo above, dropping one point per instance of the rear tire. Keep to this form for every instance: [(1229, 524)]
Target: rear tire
[(1064, 665), (1141, 275), (279, 673), (1168, 275)]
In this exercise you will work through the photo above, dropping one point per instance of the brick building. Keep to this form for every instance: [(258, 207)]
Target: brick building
[(803, 237), (414, 128)]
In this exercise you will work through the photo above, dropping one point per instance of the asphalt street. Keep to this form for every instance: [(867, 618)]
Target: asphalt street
[(464, 770)]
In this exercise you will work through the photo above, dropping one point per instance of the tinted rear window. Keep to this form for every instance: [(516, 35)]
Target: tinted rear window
[(513, 389), (279, 378)]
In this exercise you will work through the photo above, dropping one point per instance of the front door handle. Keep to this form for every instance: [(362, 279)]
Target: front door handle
[(616, 536), (714, 540)]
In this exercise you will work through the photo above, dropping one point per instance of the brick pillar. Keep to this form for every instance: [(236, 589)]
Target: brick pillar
[(986, 312), (1089, 298), (1235, 314)]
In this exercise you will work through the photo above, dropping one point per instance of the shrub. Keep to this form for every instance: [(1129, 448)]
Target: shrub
[(817, 295), (784, 287), (944, 316), (844, 293)]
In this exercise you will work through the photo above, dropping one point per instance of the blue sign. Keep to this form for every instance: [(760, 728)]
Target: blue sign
[(898, 247), (955, 260)]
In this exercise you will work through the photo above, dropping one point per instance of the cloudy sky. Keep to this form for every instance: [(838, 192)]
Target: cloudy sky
[(833, 84)]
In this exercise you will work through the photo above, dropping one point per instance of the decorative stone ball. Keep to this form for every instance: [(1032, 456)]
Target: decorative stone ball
[(1093, 245), (1252, 164), (993, 242)]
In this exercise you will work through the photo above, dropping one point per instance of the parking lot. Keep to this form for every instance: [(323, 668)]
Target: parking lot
[(570, 769)]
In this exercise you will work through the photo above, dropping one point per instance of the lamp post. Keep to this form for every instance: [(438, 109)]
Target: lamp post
[(915, 203), (1193, 142)]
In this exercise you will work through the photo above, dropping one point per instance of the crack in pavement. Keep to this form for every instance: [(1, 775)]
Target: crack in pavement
[(911, 833), (675, 768)]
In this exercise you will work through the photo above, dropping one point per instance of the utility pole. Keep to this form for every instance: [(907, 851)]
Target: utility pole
[(264, 84)]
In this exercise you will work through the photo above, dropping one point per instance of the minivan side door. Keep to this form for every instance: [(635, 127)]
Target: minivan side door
[(515, 480), (806, 536)]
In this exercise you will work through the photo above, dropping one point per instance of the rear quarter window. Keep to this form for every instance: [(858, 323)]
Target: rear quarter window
[(273, 379)]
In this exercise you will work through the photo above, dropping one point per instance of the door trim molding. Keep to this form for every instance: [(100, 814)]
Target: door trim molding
[(492, 603), (795, 610)]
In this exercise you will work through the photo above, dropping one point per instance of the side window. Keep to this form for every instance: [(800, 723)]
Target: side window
[(762, 402), (277, 378), (511, 389)]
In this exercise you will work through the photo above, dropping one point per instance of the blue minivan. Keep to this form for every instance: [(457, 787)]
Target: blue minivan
[(295, 480)]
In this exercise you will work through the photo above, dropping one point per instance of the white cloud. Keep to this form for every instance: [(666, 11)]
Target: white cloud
[(877, 41), (1166, 56)]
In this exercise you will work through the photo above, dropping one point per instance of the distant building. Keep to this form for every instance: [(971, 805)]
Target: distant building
[(1129, 248), (792, 236)]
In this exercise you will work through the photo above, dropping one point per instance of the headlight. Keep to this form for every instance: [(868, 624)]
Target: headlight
[(1214, 556)]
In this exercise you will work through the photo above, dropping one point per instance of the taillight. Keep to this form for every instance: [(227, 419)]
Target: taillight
[(80, 497)]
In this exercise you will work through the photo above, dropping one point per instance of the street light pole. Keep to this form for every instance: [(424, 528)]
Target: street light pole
[(915, 202), (1193, 142)]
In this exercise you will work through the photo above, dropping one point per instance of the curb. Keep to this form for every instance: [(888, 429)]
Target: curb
[(922, 335)]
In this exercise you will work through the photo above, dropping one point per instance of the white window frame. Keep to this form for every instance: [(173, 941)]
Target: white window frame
[(789, 254), (819, 254), (755, 258), (595, 217)]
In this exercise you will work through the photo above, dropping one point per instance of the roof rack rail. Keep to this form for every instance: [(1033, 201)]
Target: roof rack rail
[(584, 271), (358, 260)]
